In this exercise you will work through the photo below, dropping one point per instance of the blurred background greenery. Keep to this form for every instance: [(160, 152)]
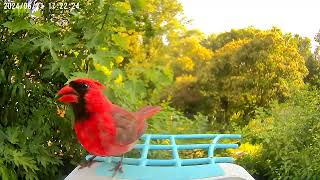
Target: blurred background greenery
[(260, 83)]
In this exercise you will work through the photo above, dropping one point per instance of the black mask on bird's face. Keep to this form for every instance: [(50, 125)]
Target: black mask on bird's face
[(75, 94)]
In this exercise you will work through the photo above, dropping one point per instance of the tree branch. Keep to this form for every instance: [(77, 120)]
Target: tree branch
[(106, 15)]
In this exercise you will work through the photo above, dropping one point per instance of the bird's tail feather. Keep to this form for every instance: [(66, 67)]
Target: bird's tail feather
[(148, 111)]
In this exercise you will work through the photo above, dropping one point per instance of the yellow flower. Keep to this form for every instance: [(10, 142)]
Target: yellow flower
[(61, 112), (199, 153), (186, 79), (123, 34), (111, 64), (102, 68), (186, 62), (246, 149), (119, 79), (119, 59), (166, 141), (49, 143), (123, 5), (97, 66), (76, 53)]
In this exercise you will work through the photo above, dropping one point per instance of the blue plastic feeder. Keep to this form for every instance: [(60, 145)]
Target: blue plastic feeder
[(176, 168)]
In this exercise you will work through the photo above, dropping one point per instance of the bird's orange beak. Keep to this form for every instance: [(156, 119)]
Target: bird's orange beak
[(68, 95)]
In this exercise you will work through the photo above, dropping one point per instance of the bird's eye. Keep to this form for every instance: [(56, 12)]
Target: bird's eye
[(84, 86)]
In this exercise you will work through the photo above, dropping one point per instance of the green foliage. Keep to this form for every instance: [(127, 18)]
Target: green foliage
[(313, 77), (317, 50), (171, 121), (32, 140), (187, 57), (111, 41), (216, 42), (250, 71), (313, 65), (289, 134)]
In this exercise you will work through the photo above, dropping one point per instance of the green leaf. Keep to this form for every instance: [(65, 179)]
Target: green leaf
[(20, 46), (20, 90), (89, 33), (76, 75), (95, 39), (31, 176), (37, 14), (98, 75), (103, 57), (70, 39), (6, 173), (134, 88), (14, 90), (116, 72), (47, 27), (120, 41), (21, 159), (2, 76), (46, 43), (18, 25), (51, 69), (69, 113), (66, 66), (137, 5), (53, 54), (44, 160), (13, 134), (101, 3), (3, 136)]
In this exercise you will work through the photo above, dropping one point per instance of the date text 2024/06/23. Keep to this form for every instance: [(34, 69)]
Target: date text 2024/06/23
[(39, 5)]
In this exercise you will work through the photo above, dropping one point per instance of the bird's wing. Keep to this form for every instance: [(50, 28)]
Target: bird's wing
[(127, 126)]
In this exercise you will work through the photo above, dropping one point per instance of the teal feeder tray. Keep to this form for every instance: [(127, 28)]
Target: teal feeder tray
[(176, 168)]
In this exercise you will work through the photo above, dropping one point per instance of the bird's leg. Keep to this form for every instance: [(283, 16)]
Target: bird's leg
[(88, 163), (118, 167)]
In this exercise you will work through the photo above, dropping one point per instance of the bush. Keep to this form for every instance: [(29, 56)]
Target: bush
[(38, 140), (40, 51), (289, 134)]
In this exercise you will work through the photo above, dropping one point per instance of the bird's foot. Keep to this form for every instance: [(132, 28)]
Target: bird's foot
[(88, 163), (117, 168)]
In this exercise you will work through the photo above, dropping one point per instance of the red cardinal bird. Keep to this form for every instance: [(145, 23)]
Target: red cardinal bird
[(104, 129)]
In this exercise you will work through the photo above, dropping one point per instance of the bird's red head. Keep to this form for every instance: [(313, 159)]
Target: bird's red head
[(77, 89)]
